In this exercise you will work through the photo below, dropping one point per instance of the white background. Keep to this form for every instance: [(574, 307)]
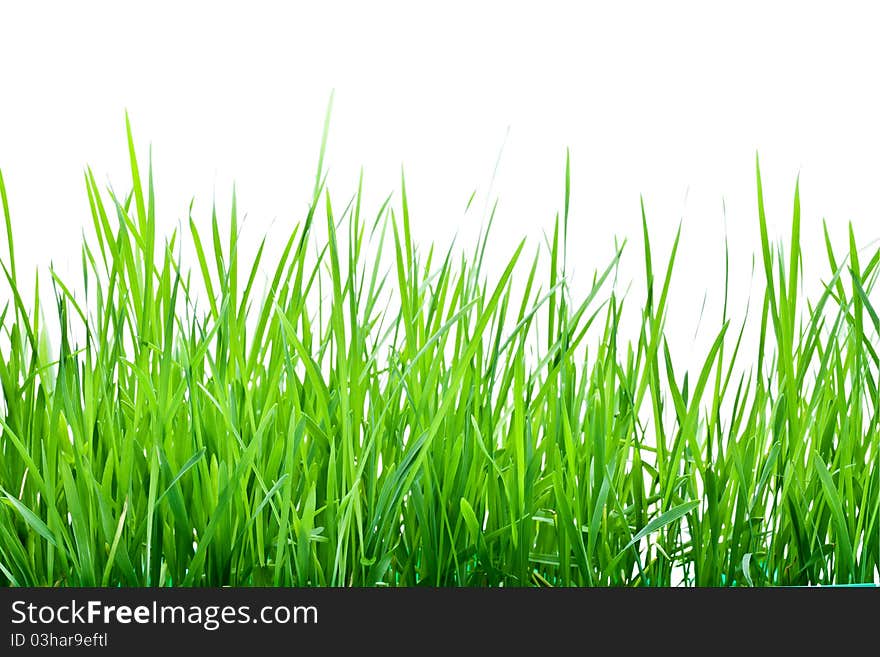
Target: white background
[(666, 99)]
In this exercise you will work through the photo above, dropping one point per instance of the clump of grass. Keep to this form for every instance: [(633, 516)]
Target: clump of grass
[(424, 423)]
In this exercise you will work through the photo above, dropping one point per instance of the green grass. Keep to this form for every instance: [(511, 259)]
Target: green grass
[(382, 414)]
